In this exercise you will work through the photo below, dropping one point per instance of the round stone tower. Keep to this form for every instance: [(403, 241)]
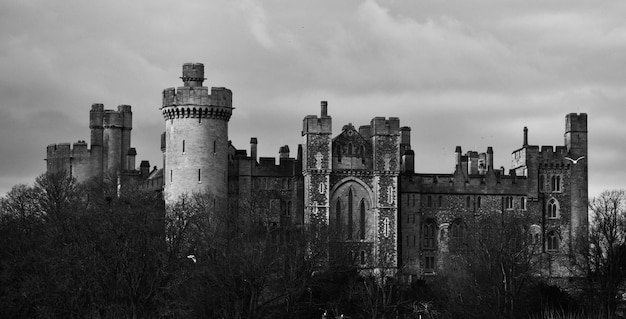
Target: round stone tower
[(196, 138)]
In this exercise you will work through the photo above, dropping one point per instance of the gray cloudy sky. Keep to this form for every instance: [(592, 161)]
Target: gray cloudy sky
[(469, 73)]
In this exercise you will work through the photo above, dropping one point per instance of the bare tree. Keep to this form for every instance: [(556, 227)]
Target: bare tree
[(607, 245)]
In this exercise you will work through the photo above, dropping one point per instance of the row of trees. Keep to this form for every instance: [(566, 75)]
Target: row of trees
[(88, 250)]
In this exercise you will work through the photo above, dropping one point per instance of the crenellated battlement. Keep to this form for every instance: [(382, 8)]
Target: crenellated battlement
[(195, 102)]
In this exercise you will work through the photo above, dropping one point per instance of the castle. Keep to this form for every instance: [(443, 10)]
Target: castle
[(361, 184)]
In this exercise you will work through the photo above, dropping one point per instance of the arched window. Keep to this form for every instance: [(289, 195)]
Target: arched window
[(552, 242), (478, 202), (428, 231), (362, 219), (553, 209), (350, 220), (458, 230)]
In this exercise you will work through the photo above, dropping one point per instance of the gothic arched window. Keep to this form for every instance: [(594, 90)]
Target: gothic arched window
[(552, 242), (428, 231), (338, 215), (350, 220), (362, 219), (553, 209)]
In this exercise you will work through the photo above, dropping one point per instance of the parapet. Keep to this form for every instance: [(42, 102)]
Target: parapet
[(197, 96), (384, 126)]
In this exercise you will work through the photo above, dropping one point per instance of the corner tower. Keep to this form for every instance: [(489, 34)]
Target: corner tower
[(577, 158), (196, 137)]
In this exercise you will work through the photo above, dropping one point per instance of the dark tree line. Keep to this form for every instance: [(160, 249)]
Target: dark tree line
[(90, 251)]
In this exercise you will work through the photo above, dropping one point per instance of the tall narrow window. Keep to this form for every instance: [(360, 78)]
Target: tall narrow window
[(429, 201), (429, 264), (439, 201), (362, 217), (479, 202), (183, 146), (362, 154), (199, 176), (429, 235), (556, 183), (350, 221), (214, 147), (542, 183), (338, 151), (289, 208), (338, 216), (523, 203), (171, 176), (467, 202)]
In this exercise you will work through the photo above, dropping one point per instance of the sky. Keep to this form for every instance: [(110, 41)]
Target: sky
[(458, 72)]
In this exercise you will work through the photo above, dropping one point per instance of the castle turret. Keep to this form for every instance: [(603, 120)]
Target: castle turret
[(196, 136), (316, 166), (96, 116), (577, 158)]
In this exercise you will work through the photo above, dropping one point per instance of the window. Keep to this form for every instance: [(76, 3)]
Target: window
[(199, 176), (214, 147), (553, 209), (552, 242), (467, 202), (288, 208), (183, 146), (523, 203), (338, 216), (556, 183), (458, 231), (362, 155), (349, 149), (429, 201), (429, 234), (350, 214), (542, 183), (362, 257), (429, 264), (338, 151), (362, 217), (439, 201), (171, 176), (508, 202), (479, 202)]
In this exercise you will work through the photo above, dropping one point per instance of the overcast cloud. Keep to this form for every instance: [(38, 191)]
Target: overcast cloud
[(468, 73)]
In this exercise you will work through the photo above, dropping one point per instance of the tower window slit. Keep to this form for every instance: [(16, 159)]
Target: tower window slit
[(199, 176), (183, 146)]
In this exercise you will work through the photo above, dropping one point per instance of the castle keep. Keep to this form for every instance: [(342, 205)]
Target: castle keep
[(361, 185)]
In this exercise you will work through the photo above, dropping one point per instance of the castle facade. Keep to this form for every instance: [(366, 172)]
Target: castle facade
[(361, 185)]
